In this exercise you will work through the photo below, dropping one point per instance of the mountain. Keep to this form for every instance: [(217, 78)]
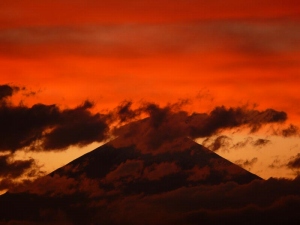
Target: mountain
[(135, 180), (138, 172), (100, 186)]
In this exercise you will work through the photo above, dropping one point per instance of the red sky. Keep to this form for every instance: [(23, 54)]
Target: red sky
[(215, 53)]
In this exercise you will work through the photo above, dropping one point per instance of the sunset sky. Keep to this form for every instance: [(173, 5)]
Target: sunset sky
[(207, 54)]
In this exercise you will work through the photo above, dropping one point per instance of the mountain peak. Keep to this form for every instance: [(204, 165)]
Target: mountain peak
[(122, 181), (122, 164)]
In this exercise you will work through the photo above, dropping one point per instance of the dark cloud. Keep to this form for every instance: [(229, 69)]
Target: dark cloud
[(76, 126), (260, 142), (56, 185), (249, 140), (7, 91), (13, 169), (218, 143), (229, 202), (167, 123), (246, 163), (221, 118), (258, 202), (160, 170), (124, 112), (47, 127), (276, 164), (282, 211), (162, 126), (292, 130), (22, 125), (127, 171), (294, 163), (243, 143)]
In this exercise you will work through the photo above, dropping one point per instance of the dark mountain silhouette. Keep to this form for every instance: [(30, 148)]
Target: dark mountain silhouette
[(179, 183), (80, 192), (137, 172), (151, 177)]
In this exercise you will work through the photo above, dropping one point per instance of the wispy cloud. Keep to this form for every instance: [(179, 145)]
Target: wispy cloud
[(253, 40), (247, 164), (294, 163)]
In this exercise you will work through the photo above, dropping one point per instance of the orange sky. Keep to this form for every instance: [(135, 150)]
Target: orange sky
[(212, 52)]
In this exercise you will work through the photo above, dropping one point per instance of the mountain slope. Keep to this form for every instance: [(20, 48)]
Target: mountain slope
[(121, 183), (134, 171), (152, 174)]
